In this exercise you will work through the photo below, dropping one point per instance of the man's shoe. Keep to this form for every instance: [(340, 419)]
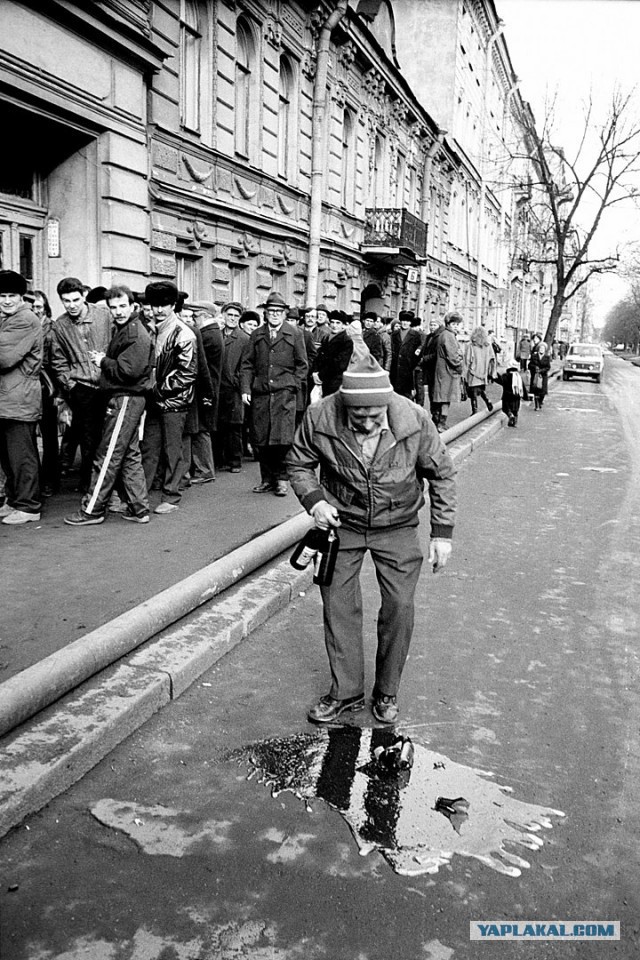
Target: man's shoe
[(136, 518), (81, 519), (5, 510), (384, 708), (234, 469), (328, 708), (281, 489), (265, 487), (20, 516), (166, 507), (202, 479), (117, 506)]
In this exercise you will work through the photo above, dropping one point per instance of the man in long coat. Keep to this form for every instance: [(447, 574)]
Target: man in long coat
[(273, 373), (442, 365), (229, 446)]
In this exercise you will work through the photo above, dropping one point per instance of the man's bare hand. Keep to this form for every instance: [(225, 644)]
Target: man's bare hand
[(325, 515), (439, 553)]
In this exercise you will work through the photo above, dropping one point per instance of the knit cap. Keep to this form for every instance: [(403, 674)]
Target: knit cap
[(364, 382)]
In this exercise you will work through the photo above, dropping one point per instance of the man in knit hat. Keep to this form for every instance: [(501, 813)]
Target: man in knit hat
[(373, 448)]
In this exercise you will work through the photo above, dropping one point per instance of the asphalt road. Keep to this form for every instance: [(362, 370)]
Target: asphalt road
[(524, 664)]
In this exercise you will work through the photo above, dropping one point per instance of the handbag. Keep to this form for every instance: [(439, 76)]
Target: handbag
[(535, 381)]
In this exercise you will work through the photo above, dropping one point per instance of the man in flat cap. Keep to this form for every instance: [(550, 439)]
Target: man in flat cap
[(273, 374), (21, 341), (358, 462)]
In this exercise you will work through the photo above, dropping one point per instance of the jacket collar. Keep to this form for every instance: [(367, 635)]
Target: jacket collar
[(403, 422), (286, 331)]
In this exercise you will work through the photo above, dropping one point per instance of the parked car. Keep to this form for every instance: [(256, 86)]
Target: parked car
[(583, 360)]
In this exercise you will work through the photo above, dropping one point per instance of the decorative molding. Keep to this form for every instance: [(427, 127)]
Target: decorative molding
[(292, 21), (245, 192), (316, 21), (272, 32), (198, 232), (346, 54), (397, 111), (248, 246), (286, 208), (309, 63), (374, 84), (340, 93), (347, 231), (200, 176), (286, 255)]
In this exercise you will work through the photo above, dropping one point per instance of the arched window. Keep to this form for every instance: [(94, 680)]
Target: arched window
[(285, 95), (245, 57), (190, 42), (348, 160)]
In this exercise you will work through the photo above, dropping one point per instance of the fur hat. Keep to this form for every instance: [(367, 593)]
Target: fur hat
[(161, 293), (364, 382), (12, 282)]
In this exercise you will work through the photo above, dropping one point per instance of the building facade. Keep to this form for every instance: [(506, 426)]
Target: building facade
[(351, 152)]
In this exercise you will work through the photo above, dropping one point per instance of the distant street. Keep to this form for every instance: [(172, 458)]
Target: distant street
[(524, 663)]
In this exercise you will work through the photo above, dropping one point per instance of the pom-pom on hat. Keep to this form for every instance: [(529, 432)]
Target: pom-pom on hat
[(12, 282), (364, 382)]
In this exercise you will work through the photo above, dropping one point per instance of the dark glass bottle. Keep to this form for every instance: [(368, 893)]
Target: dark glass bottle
[(307, 549), (326, 559)]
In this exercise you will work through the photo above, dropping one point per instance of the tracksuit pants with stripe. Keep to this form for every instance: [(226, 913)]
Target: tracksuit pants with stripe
[(118, 458)]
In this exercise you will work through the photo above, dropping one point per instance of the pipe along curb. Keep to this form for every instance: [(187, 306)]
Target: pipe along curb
[(162, 647)]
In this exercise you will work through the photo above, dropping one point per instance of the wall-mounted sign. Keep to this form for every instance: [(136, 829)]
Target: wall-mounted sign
[(53, 237), (412, 275)]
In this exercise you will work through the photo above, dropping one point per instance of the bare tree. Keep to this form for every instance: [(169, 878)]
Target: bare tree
[(574, 193)]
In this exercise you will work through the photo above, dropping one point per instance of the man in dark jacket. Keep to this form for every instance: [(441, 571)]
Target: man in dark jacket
[(334, 353), (176, 365), (442, 364), (229, 437), (406, 351), (273, 374), (373, 449), (125, 378), (82, 328), (21, 341)]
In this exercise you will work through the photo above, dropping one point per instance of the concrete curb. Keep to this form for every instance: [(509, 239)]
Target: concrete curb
[(35, 688), (58, 747)]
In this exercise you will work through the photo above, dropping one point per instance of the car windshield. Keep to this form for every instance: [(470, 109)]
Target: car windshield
[(585, 351)]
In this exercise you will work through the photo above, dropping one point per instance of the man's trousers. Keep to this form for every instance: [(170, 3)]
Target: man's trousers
[(397, 558), (21, 464), (163, 432), (118, 457), (87, 407)]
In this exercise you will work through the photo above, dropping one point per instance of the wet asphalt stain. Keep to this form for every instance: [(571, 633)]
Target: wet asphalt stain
[(416, 817)]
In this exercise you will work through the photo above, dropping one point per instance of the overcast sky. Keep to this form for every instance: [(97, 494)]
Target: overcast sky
[(574, 46)]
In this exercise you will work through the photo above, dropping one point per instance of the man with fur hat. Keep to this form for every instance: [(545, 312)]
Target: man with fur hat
[(373, 449), (273, 373), (21, 347)]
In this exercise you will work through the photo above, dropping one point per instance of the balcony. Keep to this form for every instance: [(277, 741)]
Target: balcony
[(393, 236)]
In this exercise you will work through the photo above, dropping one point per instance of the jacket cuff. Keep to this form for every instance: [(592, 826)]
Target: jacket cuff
[(309, 501), (441, 532)]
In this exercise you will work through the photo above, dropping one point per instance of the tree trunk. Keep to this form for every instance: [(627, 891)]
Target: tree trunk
[(554, 319)]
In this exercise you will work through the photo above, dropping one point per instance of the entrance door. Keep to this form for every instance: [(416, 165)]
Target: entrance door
[(21, 249)]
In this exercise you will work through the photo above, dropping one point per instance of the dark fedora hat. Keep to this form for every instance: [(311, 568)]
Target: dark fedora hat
[(274, 300)]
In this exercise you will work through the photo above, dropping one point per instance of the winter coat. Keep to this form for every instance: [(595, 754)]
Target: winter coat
[(127, 366), (389, 493), (332, 361), (374, 344), (21, 345), (540, 364), (203, 409), (176, 358), (213, 344), (70, 344), (273, 372), (479, 361), (405, 357), (442, 364), (510, 398), (231, 406)]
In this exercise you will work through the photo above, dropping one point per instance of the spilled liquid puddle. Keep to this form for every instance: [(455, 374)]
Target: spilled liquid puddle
[(419, 817)]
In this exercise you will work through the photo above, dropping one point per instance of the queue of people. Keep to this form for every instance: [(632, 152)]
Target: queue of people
[(157, 392)]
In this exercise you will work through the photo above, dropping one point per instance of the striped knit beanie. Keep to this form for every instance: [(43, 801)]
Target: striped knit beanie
[(364, 382)]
